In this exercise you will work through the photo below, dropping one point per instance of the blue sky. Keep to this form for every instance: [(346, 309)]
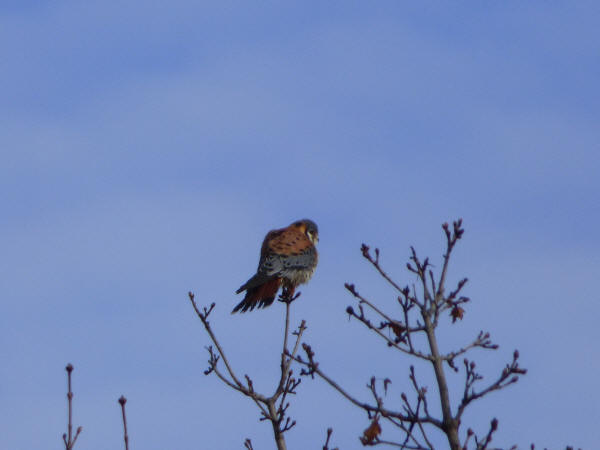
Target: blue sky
[(147, 148)]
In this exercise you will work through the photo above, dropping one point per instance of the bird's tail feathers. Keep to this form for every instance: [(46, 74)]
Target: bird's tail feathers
[(259, 296)]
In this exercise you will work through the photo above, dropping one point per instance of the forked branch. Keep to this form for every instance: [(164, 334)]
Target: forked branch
[(273, 408)]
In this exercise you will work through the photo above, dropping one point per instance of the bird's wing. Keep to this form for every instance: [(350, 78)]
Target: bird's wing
[(307, 260), (257, 280), (265, 271)]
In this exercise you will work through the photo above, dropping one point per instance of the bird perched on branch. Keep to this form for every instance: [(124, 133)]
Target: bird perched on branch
[(288, 257)]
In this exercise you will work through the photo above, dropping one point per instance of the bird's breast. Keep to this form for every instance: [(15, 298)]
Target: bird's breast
[(300, 276)]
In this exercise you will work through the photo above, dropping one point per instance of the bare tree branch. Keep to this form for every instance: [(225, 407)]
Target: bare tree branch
[(68, 438), (312, 368), (509, 375), (273, 408), (420, 313)]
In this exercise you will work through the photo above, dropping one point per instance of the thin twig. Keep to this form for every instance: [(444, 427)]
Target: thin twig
[(204, 319), (68, 438), (326, 445), (375, 261), (122, 401), (313, 368), (451, 239), (391, 343), (509, 375)]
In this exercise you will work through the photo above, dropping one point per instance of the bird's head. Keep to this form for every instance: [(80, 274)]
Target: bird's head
[(309, 228)]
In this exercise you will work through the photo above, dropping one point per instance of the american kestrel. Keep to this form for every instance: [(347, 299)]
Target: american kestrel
[(288, 257)]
